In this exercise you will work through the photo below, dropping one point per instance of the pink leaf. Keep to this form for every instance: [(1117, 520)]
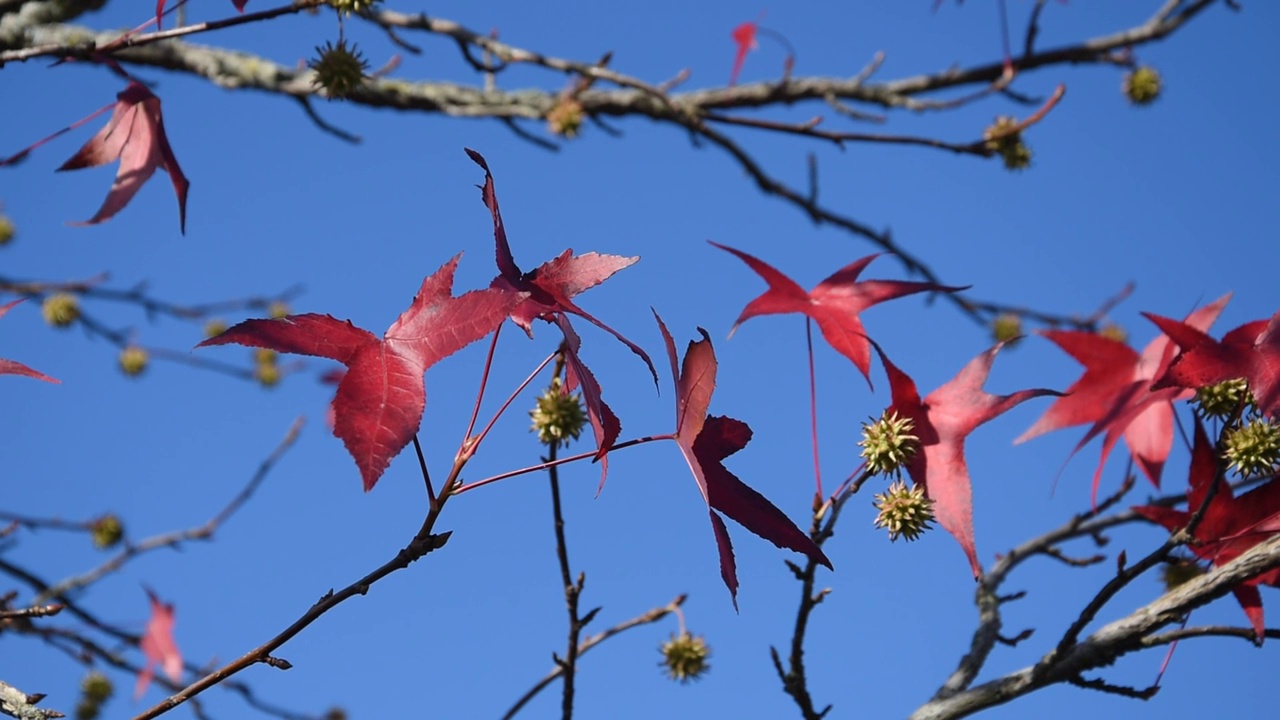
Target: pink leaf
[(744, 36), (135, 136), (158, 646)]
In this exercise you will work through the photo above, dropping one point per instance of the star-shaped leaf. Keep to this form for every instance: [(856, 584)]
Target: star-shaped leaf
[(705, 441), (1230, 526), (1251, 351), (834, 304), (381, 397), (942, 421)]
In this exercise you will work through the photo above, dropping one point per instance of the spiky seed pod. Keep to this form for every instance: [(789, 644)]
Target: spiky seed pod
[(1007, 328), (133, 360), (106, 531), (558, 417), (1178, 570), (684, 657), (1004, 141), (264, 356), (339, 70), (565, 119), (96, 687), (7, 230), (905, 511), (61, 309), (267, 374), (278, 309), (1142, 85), (887, 444), (1221, 400), (215, 327), (1253, 448)]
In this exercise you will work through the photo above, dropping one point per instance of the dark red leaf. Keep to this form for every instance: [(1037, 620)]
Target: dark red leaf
[(135, 136), (705, 441), (380, 399), (13, 367), (158, 646), (942, 421), (1116, 396), (834, 304), (1251, 351), (744, 36), (604, 424), (1230, 526)]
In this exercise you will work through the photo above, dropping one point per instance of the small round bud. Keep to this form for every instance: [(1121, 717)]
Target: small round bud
[(339, 70), (96, 687), (565, 119), (133, 360), (1004, 140), (1178, 570), (1112, 331), (61, 309), (558, 416), (278, 309), (1142, 86), (1007, 328), (684, 657), (348, 7), (215, 327), (887, 444), (1221, 400), (1253, 448), (264, 356), (267, 374), (905, 511), (106, 531), (7, 230)]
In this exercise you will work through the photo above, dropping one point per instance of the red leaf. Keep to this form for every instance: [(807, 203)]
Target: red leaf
[(381, 397), (705, 441), (1251, 351), (834, 304), (744, 36), (1116, 396), (135, 136), (942, 421), (1230, 525), (158, 646), (13, 367), (604, 424)]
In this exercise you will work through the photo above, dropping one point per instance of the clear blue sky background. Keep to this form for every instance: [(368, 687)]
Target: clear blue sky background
[(1178, 197)]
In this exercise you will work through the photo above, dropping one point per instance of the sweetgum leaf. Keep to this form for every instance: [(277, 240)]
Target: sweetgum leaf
[(834, 304), (744, 37), (381, 397), (1230, 526), (942, 421), (705, 441), (1251, 351), (158, 646), (13, 367), (135, 136)]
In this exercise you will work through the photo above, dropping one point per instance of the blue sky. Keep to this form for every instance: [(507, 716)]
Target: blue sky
[(1177, 197)]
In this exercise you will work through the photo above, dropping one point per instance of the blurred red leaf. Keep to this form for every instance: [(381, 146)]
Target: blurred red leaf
[(1115, 394), (13, 367), (834, 304), (705, 441), (381, 397), (942, 421), (158, 646), (1230, 526), (744, 36), (135, 136)]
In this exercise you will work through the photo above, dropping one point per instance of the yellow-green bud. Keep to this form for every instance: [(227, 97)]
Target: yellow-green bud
[(1003, 140), (905, 511), (684, 657), (264, 356), (133, 360), (278, 309), (1178, 570), (1253, 448), (1221, 400), (887, 444), (96, 687), (215, 327), (558, 417), (61, 309), (267, 374), (347, 7), (1007, 328), (7, 231), (1112, 331), (565, 119), (1142, 86), (339, 70), (106, 531)]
